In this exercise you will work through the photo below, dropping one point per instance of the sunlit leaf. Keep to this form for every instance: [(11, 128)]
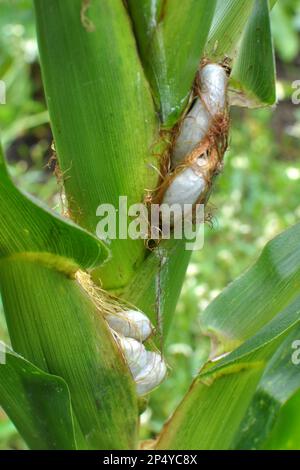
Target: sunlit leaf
[(171, 35), (257, 296), (210, 414), (102, 116), (227, 28), (28, 226)]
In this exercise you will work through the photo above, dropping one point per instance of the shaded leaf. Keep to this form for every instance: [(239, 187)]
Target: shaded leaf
[(38, 403), (286, 432), (22, 125), (279, 383), (156, 287)]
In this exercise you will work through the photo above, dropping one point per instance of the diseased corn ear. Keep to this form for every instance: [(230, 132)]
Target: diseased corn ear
[(199, 144), (130, 323), (135, 354), (194, 127), (152, 375), (117, 313), (148, 368), (130, 328), (213, 83), (185, 188), (192, 130)]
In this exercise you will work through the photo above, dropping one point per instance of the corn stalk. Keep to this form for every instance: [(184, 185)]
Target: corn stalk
[(121, 78)]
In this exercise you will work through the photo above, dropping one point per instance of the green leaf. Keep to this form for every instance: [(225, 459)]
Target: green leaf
[(171, 35), (210, 414), (102, 115), (253, 74), (29, 227), (257, 296), (227, 28), (55, 325), (286, 432), (279, 383), (38, 403)]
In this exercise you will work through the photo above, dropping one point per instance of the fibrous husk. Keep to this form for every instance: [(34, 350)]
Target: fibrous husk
[(199, 143)]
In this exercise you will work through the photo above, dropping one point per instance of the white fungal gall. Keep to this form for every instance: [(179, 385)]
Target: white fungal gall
[(152, 375), (185, 188), (135, 355), (195, 155), (213, 82), (148, 368), (193, 130), (130, 323)]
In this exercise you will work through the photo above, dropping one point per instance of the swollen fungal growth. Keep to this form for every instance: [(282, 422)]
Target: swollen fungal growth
[(130, 328), (200, 142), (131, 323), (212, 100), (147, 367)]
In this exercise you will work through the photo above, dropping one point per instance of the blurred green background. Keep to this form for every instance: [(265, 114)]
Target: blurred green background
[(256, 197)]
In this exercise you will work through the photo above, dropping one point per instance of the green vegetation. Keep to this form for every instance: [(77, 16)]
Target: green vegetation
[(255, 198)]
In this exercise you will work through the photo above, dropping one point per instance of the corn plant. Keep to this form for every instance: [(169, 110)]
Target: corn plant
[(139, 95)]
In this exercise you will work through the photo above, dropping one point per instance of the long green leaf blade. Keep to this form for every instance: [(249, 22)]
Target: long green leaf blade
[(38, 403), (254, 70), (279, 383), (257, 296), (210, 414), (227, 28)]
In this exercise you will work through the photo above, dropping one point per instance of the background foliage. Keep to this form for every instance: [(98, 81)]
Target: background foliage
[(256, 197)]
